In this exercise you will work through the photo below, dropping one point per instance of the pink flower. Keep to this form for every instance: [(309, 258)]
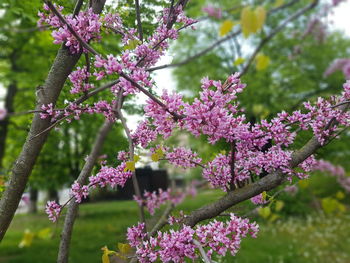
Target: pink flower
[(213, 11), (53, 210), (258, 199)]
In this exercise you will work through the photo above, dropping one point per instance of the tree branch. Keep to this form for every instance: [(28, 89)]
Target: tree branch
[(72, 211), (131, 153), (267, 183)]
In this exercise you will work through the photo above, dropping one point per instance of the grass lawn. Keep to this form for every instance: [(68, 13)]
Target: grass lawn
[(315, 239)]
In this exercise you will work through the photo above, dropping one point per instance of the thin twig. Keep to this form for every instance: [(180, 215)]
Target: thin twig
[(131, 154), (279, 28), (77, 7), (201, 251), (138, 18), (163, 220)]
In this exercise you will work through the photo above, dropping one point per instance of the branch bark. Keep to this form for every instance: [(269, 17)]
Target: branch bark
[(60, 69), (73, 207), (267, 183)]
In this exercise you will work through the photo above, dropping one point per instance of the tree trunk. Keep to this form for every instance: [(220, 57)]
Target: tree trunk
[(22, 168), (10, 96), (33, 200)]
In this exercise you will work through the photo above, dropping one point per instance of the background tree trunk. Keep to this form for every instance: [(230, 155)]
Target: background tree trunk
[(33, 200)]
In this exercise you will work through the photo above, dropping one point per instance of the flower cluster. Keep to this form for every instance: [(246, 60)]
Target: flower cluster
[(86, 24), (212, 11), (336, 171), (342, 64), (174, 246), (153, 200), (79, 80), (111, 176), (53, 210), (79, 192), (74, 111), (162, 118), (182, 157), (258, 199)]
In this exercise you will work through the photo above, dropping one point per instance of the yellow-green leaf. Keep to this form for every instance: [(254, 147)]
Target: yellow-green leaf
[(340, 195), (132, 44), (136, 158), (260, 14), (278, 3), (248, 21), (303, 183), (106, 253), (264, 195), (160, 152), (27, 239), (124, 248), (155, 157), (44, 233), (105, 258), (129, 166), (331, 205), (279, 205), (264, 212), (238, 61), (226, 27), (262, 61), (273, 217)]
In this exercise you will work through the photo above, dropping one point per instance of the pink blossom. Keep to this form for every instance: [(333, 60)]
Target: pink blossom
[(86, 24), (213, 11), (175, 246), (339, 64), (258, 199), (53, 210), (183, 157)]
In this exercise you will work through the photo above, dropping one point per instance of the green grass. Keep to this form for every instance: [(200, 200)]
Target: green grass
[(316, 239)]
